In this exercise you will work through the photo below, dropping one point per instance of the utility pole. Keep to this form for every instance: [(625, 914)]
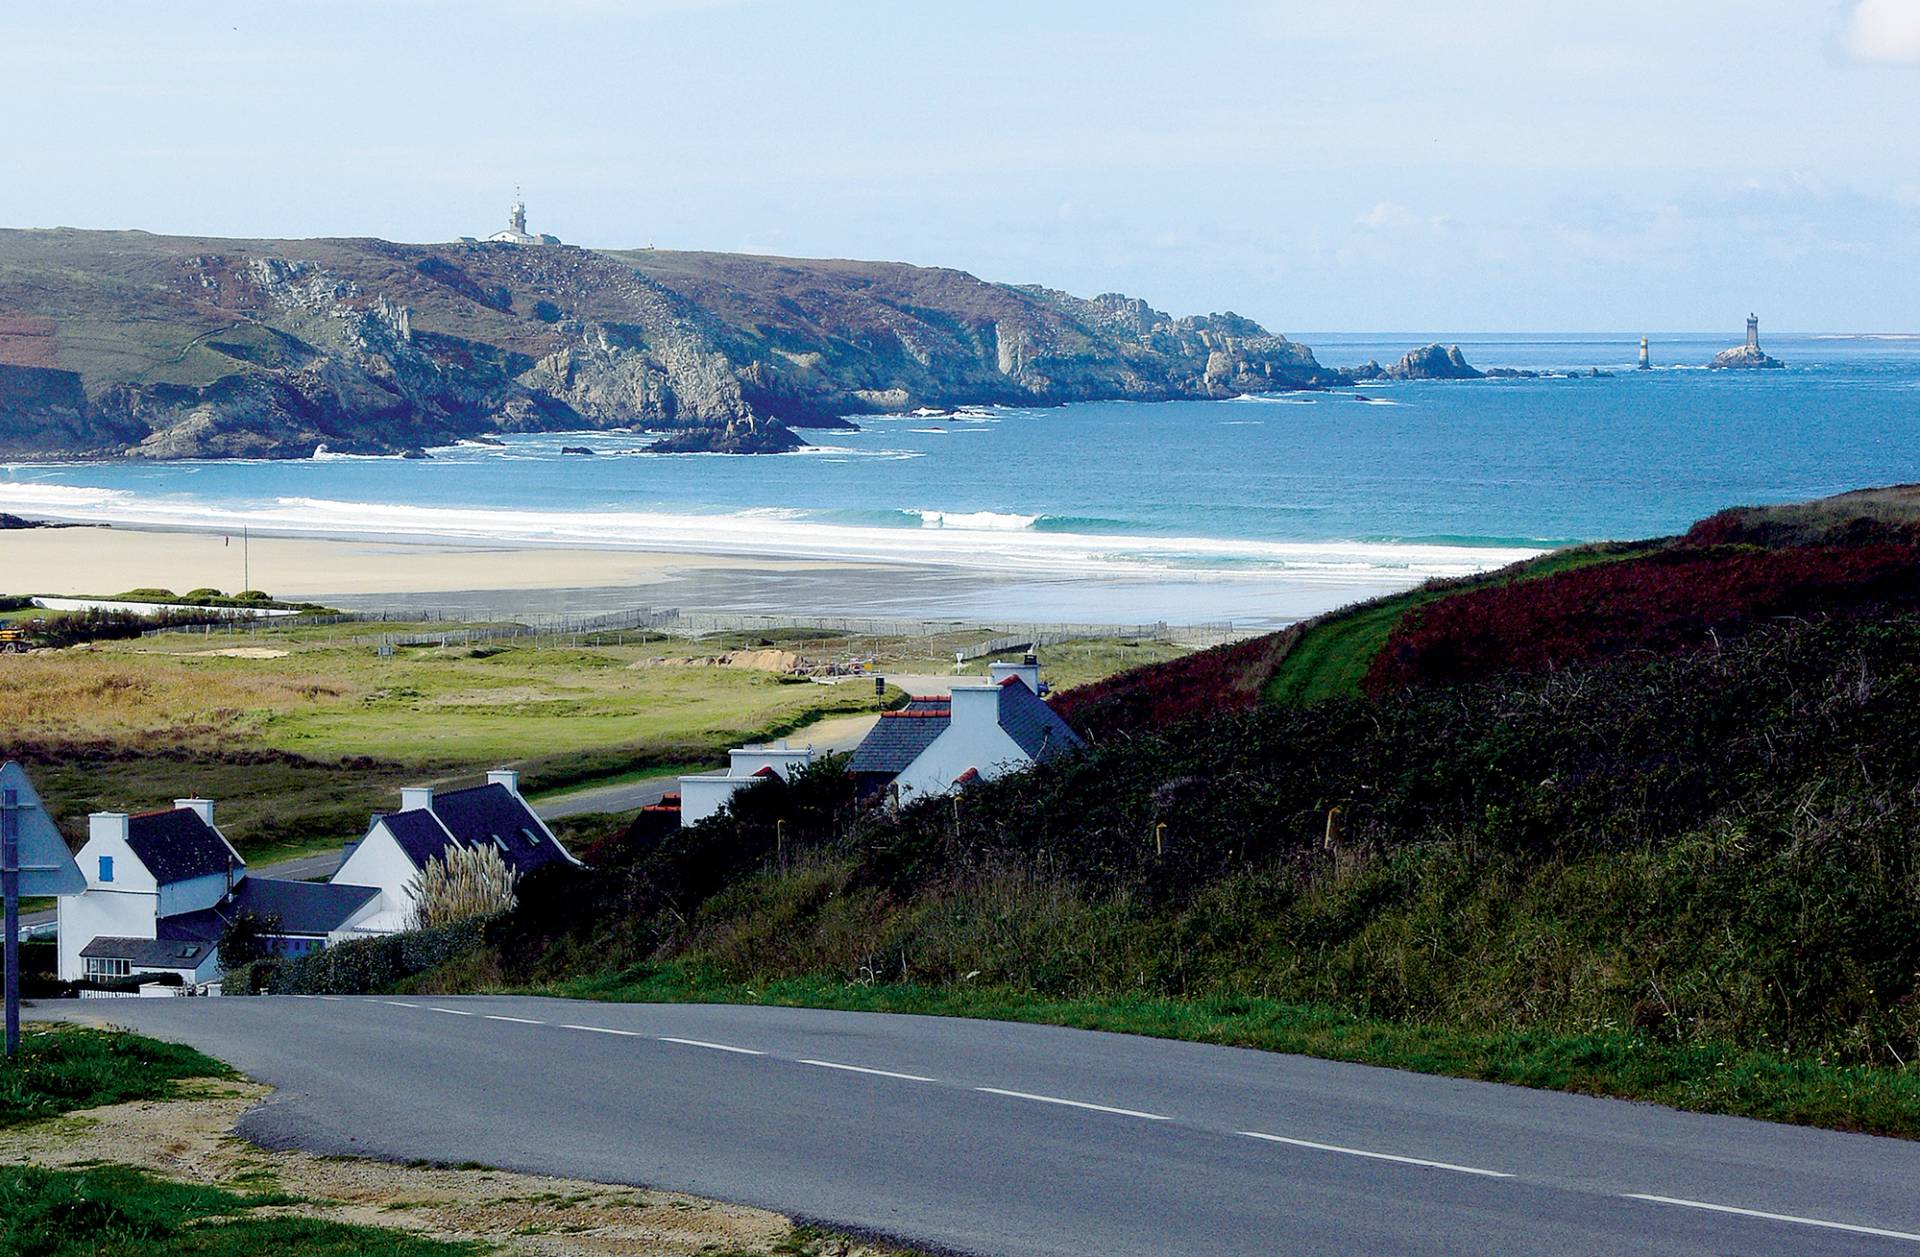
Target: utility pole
[(10, 890), (246, 560)]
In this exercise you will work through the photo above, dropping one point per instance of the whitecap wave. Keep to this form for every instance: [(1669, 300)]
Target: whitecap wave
[(997, 541)]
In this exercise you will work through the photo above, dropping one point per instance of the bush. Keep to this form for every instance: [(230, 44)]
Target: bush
[(369, 964), (1159, 695)]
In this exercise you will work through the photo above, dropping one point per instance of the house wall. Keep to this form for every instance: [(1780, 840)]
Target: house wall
[(974, 739), (701, 797), (193, 894), (126, 907), (378, 861)]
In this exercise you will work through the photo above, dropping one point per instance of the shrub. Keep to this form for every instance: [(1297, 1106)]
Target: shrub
[(1156, 696), (462, 882), (370, 964)]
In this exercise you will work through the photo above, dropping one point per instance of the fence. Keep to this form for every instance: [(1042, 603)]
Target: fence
[(673, 622)]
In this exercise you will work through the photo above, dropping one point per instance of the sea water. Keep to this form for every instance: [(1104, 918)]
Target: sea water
[(1267, 506)]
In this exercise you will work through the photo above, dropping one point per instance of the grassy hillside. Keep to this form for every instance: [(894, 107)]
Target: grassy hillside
[(181, 346)]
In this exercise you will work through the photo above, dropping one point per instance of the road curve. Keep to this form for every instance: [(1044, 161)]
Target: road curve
[(990, 1138)]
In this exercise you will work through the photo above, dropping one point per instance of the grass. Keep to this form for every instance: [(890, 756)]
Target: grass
[(1334, 653), (300, 747), (1707, 1078), (62, 1068), (119, 1211)]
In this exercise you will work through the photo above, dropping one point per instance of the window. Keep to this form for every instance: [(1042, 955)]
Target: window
[(106, 868), (108, 966)]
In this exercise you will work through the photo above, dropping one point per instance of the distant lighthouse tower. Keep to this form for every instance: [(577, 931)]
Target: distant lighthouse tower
[(1646, 363), (1753, 332)]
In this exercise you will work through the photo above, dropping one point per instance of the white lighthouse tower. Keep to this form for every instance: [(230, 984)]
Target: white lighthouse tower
[(1753, 332), (1646, 362)]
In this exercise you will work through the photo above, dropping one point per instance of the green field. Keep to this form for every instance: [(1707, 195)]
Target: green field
[(299, 732)]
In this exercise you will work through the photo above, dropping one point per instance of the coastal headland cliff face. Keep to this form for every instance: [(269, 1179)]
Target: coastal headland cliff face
[(129, 344)]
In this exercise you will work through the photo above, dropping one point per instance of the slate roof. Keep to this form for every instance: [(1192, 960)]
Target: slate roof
[(484, 816), (177, 846), (898, 737), (1033, 724), (149, 953), (313, 908)]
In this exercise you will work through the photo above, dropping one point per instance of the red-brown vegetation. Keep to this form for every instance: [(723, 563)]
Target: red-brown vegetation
[(1157, 696), (1676, 600)]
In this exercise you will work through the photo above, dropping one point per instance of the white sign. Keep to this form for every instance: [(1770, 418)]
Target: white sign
[(46, 866)]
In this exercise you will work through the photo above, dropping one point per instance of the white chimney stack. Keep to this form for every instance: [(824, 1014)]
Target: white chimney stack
[(975, 706), (108, 825), (203, 806), (505, 777), (1028, 670), (416, 798)]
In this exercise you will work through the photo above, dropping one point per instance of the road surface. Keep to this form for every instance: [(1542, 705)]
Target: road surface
[(983, 1137)]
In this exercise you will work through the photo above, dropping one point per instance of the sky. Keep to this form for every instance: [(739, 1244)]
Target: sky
[(1391, 165)]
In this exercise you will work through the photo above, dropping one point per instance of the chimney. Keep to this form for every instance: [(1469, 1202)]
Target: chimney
[(416, 798), (1028, 670), (203, 806), (110, 825), (976, 706), (505, 777)]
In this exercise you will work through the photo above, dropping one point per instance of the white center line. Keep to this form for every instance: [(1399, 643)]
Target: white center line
[(1376, 1156), (1073, 1104), (331, 999), (524, 1021), (1777, 1217), (399, 1003), (453, 1012), (702, 1043), (631, 1034), (862, 1069)]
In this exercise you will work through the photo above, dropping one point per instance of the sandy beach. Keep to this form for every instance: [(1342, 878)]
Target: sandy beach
[(480, 581), (100, 561)]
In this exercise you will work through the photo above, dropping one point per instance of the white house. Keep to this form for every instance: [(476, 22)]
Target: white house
[(162, 887), (398, 844), (703, 794), (982, 730)]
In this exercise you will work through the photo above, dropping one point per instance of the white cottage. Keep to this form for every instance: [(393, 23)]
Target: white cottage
[(162, 888), (703, 794), (982, 730), (398, 844)]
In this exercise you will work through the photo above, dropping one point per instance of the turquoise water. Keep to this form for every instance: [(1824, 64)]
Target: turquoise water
[(1396, 483)]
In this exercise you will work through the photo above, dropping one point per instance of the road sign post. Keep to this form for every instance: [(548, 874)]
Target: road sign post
[(34, 860), (10, 890)]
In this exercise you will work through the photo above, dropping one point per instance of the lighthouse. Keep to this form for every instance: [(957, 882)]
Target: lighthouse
[(1753, 332), (1646, 363)]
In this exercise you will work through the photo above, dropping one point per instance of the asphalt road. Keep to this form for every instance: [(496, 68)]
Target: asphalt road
[(982, 1137)]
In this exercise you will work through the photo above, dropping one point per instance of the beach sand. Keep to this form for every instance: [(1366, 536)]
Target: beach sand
[(103, 561), (481, 581)]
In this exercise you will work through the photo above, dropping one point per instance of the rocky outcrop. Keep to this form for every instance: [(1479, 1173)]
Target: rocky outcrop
[(744, 436), (1744, 358), (1429, 362)]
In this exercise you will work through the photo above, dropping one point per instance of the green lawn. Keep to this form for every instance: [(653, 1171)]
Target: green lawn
[(62, 1068), (1333, 656), (119, 1211)]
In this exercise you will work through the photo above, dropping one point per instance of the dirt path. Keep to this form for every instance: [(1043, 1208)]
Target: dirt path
[(191, 1139)]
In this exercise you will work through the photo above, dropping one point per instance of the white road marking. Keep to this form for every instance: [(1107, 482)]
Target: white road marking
[(1376, 1156), (862, 1069), (524, 1021), (452, 1012), (702, 1043), (1073, 1104), (331, 999), (1777, 1217), (399, 1003), (631, 1034)]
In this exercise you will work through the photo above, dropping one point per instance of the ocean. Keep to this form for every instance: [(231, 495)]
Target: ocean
[(1259, 508)]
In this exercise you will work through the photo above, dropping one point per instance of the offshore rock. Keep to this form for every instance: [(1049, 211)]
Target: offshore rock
[(1745, 358)]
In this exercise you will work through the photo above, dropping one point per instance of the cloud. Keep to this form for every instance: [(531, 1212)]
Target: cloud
[(1385, 215), (1885, 30)]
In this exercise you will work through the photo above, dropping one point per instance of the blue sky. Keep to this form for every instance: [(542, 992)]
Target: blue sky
[(1376, 164)]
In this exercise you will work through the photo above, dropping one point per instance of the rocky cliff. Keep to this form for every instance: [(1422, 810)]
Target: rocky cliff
[(1745, 358), (123, 343)]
